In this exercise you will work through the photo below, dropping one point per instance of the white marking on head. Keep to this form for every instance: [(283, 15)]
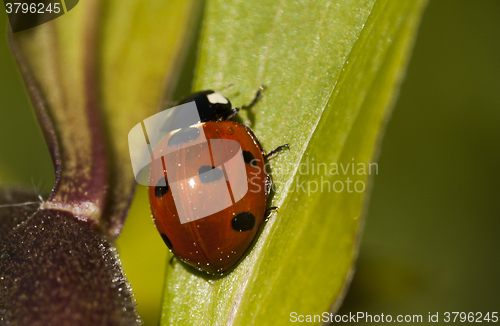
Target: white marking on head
[(215, 98)]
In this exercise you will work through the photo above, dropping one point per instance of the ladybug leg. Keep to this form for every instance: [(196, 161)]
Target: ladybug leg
[(171, 261), (269, 212), (258, 95), (269, 183), (276, 151)]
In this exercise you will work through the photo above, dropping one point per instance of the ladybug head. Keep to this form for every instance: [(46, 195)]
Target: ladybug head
[(211, 105)]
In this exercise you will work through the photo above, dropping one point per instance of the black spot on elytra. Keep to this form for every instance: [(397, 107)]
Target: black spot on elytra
[(209, 174), (243, 222), (166, 240), (249, 158), (183, 136), (160, 188)]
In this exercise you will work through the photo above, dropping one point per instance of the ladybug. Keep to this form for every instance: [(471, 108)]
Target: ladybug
[(209, 190)]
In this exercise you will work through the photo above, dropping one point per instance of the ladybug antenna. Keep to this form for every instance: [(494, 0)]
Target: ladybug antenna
[(228, 86)]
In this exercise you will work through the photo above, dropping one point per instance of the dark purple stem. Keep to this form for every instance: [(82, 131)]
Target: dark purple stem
[(77, 146)]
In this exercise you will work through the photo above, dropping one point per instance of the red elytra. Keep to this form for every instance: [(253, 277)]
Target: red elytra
[(216, 242), (212, 163)]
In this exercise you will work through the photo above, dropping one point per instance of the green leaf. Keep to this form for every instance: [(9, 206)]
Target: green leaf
[(332, 71)]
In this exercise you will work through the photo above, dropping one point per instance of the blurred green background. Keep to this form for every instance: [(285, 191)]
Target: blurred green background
[(432, 230)]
